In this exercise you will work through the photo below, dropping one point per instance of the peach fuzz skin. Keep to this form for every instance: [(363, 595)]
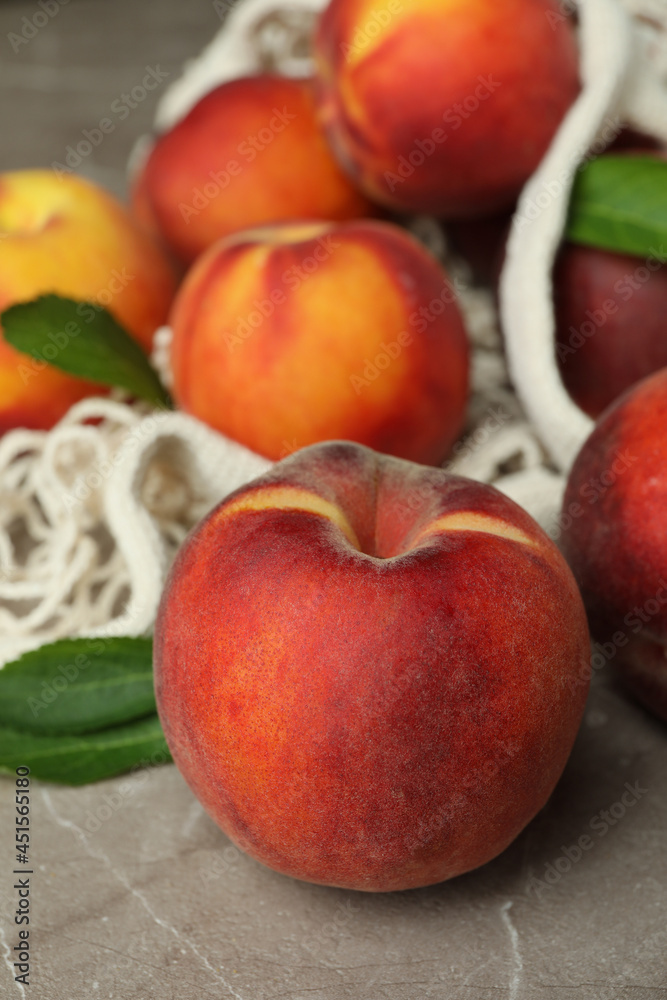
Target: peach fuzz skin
[(67, 236), (611, 322), (615, 540), (250, 153), (368, 670), (277, 333), (444, 106)]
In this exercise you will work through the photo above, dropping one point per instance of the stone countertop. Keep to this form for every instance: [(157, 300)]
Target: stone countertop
[(136, 895)]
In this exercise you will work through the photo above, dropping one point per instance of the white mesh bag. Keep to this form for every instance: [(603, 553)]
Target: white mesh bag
[(91, 515)]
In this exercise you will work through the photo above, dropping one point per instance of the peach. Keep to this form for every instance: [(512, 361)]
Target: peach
[(444, 106), (250, 153), (615, 539), (67, 236), (611, 322), (366, 669), (628, 140), (289, 335), (610, 310), (481, 242), (142, 209)]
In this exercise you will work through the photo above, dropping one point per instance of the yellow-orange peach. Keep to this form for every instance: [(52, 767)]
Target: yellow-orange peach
[(250, 153), (295, 334), (368, 670), (67, 236), (444, 106)]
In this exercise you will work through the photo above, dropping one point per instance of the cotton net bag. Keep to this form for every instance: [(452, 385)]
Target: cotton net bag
[(91, 514)]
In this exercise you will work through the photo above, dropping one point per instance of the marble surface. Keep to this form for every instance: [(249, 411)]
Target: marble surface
[(136, 895)]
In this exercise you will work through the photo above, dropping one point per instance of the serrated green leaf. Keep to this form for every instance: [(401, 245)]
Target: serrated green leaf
[(619, 203), (78, 760), (78, 686), (82, 339)]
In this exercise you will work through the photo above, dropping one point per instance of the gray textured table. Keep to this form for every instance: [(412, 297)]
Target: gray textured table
[(136, 893)]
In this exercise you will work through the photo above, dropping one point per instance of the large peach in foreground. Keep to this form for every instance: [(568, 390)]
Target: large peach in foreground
[(296, 334), (444, 106), (249, 153), (615, 516), (368, 670), (67, 236)]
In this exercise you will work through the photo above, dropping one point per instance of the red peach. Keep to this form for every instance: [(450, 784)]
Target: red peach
[(295, 334), (444, 106), (610, 321), (369, 671), (616, 542), (628, 140), (142, 208), (66, 235), (481, 242), (250, 153)]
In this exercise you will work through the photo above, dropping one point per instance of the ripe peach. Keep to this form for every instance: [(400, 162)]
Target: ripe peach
[(628, 140), (611, 321), (366, 669), (444, 106), (481, 241), (250, 153), (616, 542), (142, 208), (66, 235), (289, 335)]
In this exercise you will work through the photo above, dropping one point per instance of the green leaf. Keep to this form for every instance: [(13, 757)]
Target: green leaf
[(77, 760), (78, 686), (619, 203), (82, 339)]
